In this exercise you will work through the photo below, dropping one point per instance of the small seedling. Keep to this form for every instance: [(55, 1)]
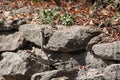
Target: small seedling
[(47, 16), (66, 19)]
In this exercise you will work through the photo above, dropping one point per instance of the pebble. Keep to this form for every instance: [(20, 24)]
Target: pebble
[(7, 13)]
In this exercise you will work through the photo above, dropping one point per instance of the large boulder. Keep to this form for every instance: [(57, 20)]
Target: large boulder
[(112, 72), (71, 39), (110, 51), (11, 42), (36, 33), (20, 65)]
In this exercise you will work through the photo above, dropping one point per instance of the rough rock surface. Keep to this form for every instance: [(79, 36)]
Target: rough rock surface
[(40, 52), (112, 72), (19, 64), (70, 60), (91, 74), (11, 42), (49, 75), (1, 22), (11, 25), (109, 51), (1, 78), (6, 27), (61, 78), (36, 33), (24, 10), (92, 61), (74, 39)]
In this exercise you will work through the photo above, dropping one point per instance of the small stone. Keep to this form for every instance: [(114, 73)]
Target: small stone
[(61, 78), (21, 22), (109, 51), (112, 72), (48, 75), (10, 18), (11, 42), (7, 13)]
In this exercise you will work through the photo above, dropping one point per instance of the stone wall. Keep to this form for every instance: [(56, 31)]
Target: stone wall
[(40, 52)]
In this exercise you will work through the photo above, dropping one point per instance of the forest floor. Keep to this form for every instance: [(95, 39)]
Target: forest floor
[(105, 17)]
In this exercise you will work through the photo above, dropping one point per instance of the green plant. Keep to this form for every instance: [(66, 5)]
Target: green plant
[(47, 16), (66, 19)]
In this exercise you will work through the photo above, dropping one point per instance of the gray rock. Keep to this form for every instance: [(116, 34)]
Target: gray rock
[(112, 72), (41, 56), (92, 61), (92, 42), (61, 78), (71, 74), (11, 25), (94, 67), (7, 27), (110, 51), (97, 77), (17, 22), (71, 39), (90, 66), (91, 74), (1, 22), (24, 10), (16, 77), (11, 42), (1, 78), (21, 22), (36, 33), (7, 13), (67, 61), (44, 75), (70, 60), (66, 64), (20, 64), (82, 75)]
